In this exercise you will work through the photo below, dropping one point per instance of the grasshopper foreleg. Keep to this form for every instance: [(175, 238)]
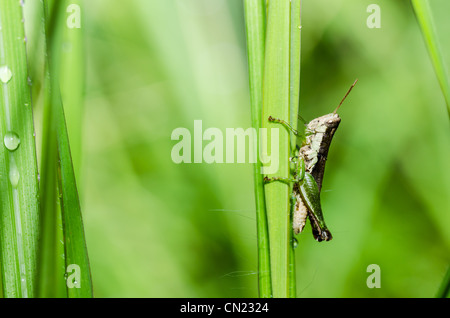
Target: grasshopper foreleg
[(285, 124)]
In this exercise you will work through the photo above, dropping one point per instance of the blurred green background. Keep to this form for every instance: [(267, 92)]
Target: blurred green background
[(158, 229)]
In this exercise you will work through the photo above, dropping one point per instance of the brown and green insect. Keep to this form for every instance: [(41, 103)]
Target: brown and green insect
[(308, 173)]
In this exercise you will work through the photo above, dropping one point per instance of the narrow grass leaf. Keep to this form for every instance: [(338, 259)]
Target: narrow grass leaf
[(72, 79), (426, 23), (79, 282), (444, 289), (51, 264), (255, 17), (19, 208)]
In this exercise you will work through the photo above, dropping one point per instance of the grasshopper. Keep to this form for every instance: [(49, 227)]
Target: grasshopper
[(308, 172)]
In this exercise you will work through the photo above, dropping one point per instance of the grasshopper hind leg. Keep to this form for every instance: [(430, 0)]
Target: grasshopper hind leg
[(320, 234)]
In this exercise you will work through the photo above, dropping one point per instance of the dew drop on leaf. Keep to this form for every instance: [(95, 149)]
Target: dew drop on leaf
[(14, 176), (11, 141), (5, 74)]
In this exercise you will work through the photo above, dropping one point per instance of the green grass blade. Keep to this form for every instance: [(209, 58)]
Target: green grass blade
[(255, 17), (294, 93), (19, 208), (294, 99), (426, 23), (75, 245), (444, 289), (51, 266), (74, 238), (72, 81), (276, 103)]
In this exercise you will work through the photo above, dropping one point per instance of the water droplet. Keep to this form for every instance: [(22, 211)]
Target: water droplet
[(14, 176), (11, 141), (294, 242), (5, 74)]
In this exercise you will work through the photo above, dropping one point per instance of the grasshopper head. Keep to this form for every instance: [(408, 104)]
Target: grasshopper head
[(331, 120), (321, 124)]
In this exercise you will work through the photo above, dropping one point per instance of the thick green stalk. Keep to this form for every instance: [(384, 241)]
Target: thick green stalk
[(255, 18), (426, 23), (19, 208), (276, 103)]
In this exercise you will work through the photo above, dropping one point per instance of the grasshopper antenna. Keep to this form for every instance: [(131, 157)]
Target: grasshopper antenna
[(301, 119), (345, 96)]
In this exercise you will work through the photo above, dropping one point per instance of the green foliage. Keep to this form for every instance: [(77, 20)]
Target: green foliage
[(42, 235)]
